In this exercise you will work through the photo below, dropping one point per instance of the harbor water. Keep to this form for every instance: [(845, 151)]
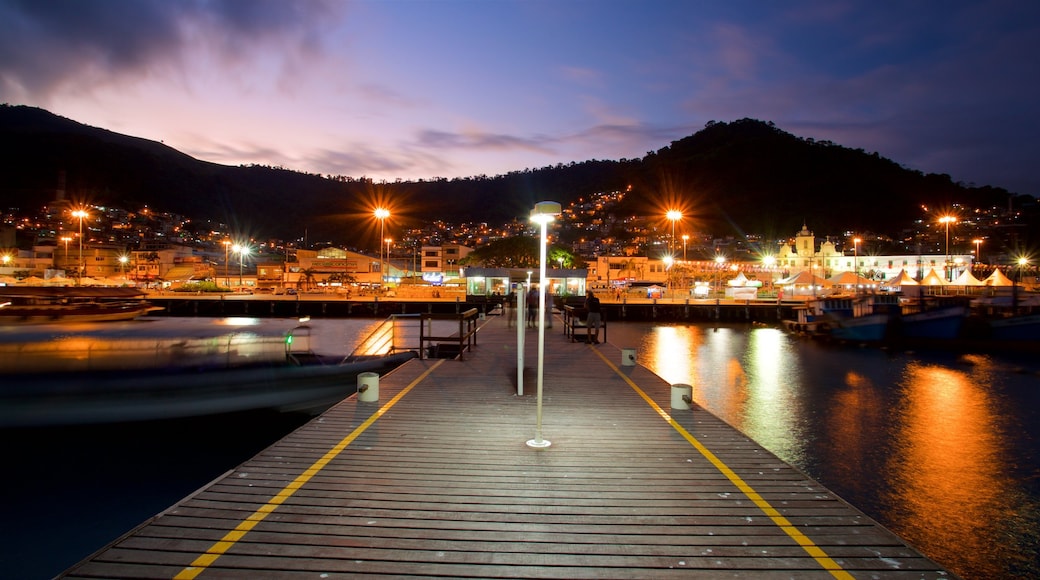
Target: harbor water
[(938, 447)]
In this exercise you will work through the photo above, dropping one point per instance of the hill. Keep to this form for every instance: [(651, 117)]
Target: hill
[(743, 176)]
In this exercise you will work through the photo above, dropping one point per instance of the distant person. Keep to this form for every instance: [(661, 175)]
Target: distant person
[(594, 317), (532, 307)]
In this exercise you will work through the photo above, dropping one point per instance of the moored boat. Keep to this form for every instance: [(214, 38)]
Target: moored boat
[(54, 399), (862, 317), (936, 318), (146, 370), (1024, 327), (49, 304)]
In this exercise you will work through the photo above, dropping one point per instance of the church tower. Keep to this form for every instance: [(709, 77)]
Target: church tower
[(805, 243)]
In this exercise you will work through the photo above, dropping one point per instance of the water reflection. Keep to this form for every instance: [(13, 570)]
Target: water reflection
[(949, 455), (756, 392), (940, 449)]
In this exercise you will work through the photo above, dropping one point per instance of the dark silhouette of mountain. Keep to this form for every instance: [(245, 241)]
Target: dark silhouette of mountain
[(731, 178)]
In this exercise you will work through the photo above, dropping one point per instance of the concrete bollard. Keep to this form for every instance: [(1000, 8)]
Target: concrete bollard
[(368, 387), (682, 396), (628, 357)]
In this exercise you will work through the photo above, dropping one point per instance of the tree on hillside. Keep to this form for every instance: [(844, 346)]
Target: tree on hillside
[(513, 252), (517, 252)]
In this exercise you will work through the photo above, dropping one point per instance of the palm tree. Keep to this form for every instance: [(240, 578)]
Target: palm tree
[(152, 258), (628, 265), (307, 276)]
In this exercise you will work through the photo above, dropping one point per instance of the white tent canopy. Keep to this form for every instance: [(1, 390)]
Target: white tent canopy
[(966, 279), (803, 278), (933, 279), (903, 279), (850, 279), (997, 278)]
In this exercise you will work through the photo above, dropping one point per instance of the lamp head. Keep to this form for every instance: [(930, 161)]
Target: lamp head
[(545, 211)]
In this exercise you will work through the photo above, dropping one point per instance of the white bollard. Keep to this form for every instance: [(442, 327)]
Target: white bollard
[(628, 357), (368, 387), (682, 395)]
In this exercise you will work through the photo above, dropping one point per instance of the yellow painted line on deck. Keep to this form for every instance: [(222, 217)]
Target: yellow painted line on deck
[(793, 532), (224, 544)]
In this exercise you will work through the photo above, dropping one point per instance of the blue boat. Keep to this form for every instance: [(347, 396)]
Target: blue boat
[(933, 319), (1016, 328), (861, 318)]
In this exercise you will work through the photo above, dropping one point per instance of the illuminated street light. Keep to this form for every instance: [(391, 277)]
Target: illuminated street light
[(122, 265), (227, 247), (685, 238), (978, 257), (242, 252), (79, 213), (381, 215), (719, 261), (673, 215), (388, 241), (769, 262), (668, 261), (543, 213), (947, 219), (855, 253), (66, 239)]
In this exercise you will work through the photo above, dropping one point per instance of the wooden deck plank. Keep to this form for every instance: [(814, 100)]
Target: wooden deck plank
[(441, 482)]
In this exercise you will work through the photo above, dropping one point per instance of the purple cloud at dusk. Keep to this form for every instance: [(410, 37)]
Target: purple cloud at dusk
[(412, 89)]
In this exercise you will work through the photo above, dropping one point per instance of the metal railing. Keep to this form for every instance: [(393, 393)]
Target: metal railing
[(427, 334), (458, 342)]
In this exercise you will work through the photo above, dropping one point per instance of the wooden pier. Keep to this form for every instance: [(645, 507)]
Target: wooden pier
[(436, 479)]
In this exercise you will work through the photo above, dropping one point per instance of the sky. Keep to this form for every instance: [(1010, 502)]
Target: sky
[(422, 89)]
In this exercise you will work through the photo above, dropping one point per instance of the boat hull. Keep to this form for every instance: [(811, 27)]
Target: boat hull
[(869, 328), (36, 400), (940, 323), (48, 305), (1016, 328)]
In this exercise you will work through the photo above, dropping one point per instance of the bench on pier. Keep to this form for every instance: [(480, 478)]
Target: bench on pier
[(575, 326)]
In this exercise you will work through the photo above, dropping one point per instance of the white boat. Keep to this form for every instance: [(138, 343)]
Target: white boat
[(50, 304), (109, 373), (54, 399)]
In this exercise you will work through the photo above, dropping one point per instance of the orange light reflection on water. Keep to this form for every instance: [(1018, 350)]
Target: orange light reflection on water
[(920, 440), (752, 390), (950, 453)]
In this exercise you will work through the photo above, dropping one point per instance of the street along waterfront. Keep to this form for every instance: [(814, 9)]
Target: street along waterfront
[(941, 448)]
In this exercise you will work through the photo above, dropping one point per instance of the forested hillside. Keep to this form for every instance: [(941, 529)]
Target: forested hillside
[(732, 178)]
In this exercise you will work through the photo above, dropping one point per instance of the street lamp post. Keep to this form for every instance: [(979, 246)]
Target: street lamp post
[(719, 261), (66, 239), (855, 257), (381, 214), (673, 215), (122, 266), (227, 247), (978, 257), (543, 213), (242, 251), (768, 262), (947, 219), (79, 213), (685, 238), (388, 242)]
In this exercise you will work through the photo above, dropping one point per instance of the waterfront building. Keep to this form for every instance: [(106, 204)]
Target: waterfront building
[(440, 263), (802, 255), (504, 281)]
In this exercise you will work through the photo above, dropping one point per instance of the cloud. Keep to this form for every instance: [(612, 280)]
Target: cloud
[(478, 141), (50, 46)]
